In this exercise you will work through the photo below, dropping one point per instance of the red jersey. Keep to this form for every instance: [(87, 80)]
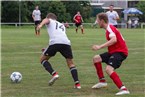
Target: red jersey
[(120, 45), (78, 18)]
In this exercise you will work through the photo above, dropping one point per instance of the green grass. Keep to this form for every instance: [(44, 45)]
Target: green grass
[(21, 51)]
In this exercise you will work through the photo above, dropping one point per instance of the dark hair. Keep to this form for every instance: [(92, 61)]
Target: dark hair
[(52, 16), (103, 16), (112, 5)]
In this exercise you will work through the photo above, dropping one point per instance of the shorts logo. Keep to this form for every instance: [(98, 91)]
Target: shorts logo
[(111, 57), (110, 63)]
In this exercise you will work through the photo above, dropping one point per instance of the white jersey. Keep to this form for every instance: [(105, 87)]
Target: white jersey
[(37, 15), (56, 32), (111, 16)]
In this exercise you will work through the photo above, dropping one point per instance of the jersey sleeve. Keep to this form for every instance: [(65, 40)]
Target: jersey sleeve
[(111, 33), (116, 14)]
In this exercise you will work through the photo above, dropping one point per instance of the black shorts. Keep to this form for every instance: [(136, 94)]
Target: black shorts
[(115, 26), (64, 49), (114, 59), (37, 22), (78, 24)]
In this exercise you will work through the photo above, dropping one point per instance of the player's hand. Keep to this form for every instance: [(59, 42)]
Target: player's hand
[(114, 19), (39, 27), (76, 21), (96, 47)]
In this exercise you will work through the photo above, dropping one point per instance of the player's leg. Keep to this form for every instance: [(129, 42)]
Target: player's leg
[(82, 28), (44, 61), (74, 73), (38, 31), (67, 53), (113, 63), (98, 66), (76, 27), (48, 52), (35, 27)]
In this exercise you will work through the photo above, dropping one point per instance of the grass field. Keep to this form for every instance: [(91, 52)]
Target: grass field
[(21, 50)]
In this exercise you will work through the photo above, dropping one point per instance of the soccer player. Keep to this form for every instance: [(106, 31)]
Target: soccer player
[(58, 42), (36, 15), (112, 16), (117, 52), (78, 21)]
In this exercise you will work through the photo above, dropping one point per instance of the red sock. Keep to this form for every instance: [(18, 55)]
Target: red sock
[(76, 30), (82, 31), (116, 79), (99, 72)]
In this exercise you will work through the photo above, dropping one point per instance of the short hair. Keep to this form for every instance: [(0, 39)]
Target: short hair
[(103, 16), (52, 16), (112, 5)]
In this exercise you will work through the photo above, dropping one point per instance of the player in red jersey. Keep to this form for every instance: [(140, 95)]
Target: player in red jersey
[(117, 52), (78, 22)]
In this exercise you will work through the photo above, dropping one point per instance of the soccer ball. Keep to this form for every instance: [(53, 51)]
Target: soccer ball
[(16, 77)]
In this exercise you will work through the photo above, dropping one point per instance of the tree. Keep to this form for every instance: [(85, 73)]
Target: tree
[(57, 8), (141, 7), (10, 11), (86, 10), (65, 10), (83, 6)]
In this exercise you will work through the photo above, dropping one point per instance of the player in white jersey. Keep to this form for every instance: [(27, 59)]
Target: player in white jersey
[(112, 16), (36, 15), (58, 42)]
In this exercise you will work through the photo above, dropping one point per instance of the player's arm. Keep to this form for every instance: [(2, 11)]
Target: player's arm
[(95, 22), (44, 21), (112, 41), (82, 19), (74, 18), (40, 14), (33, 15), (117, 16)]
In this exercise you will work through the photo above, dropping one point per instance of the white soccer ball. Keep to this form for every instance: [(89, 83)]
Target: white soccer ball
[(16, 77)]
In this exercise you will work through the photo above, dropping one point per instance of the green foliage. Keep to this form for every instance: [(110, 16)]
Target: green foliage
[(82, 6), (141, 6), (65, 10), (72, 7), (59, 9), (10, 11)]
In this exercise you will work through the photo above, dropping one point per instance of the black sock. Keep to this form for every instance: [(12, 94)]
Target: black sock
[(48, 67), (74, 73)]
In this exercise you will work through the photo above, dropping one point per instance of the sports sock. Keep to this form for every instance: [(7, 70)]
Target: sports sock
[(116, 79), (82, 31), (36, 30), (74, 74), (76, 30), (48, 67), (123, 88), (99, 72)]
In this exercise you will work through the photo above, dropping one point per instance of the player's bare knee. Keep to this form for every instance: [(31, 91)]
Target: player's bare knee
[(96, 59), (71, 65), (70, 62), (42, 58), (109, 70)]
